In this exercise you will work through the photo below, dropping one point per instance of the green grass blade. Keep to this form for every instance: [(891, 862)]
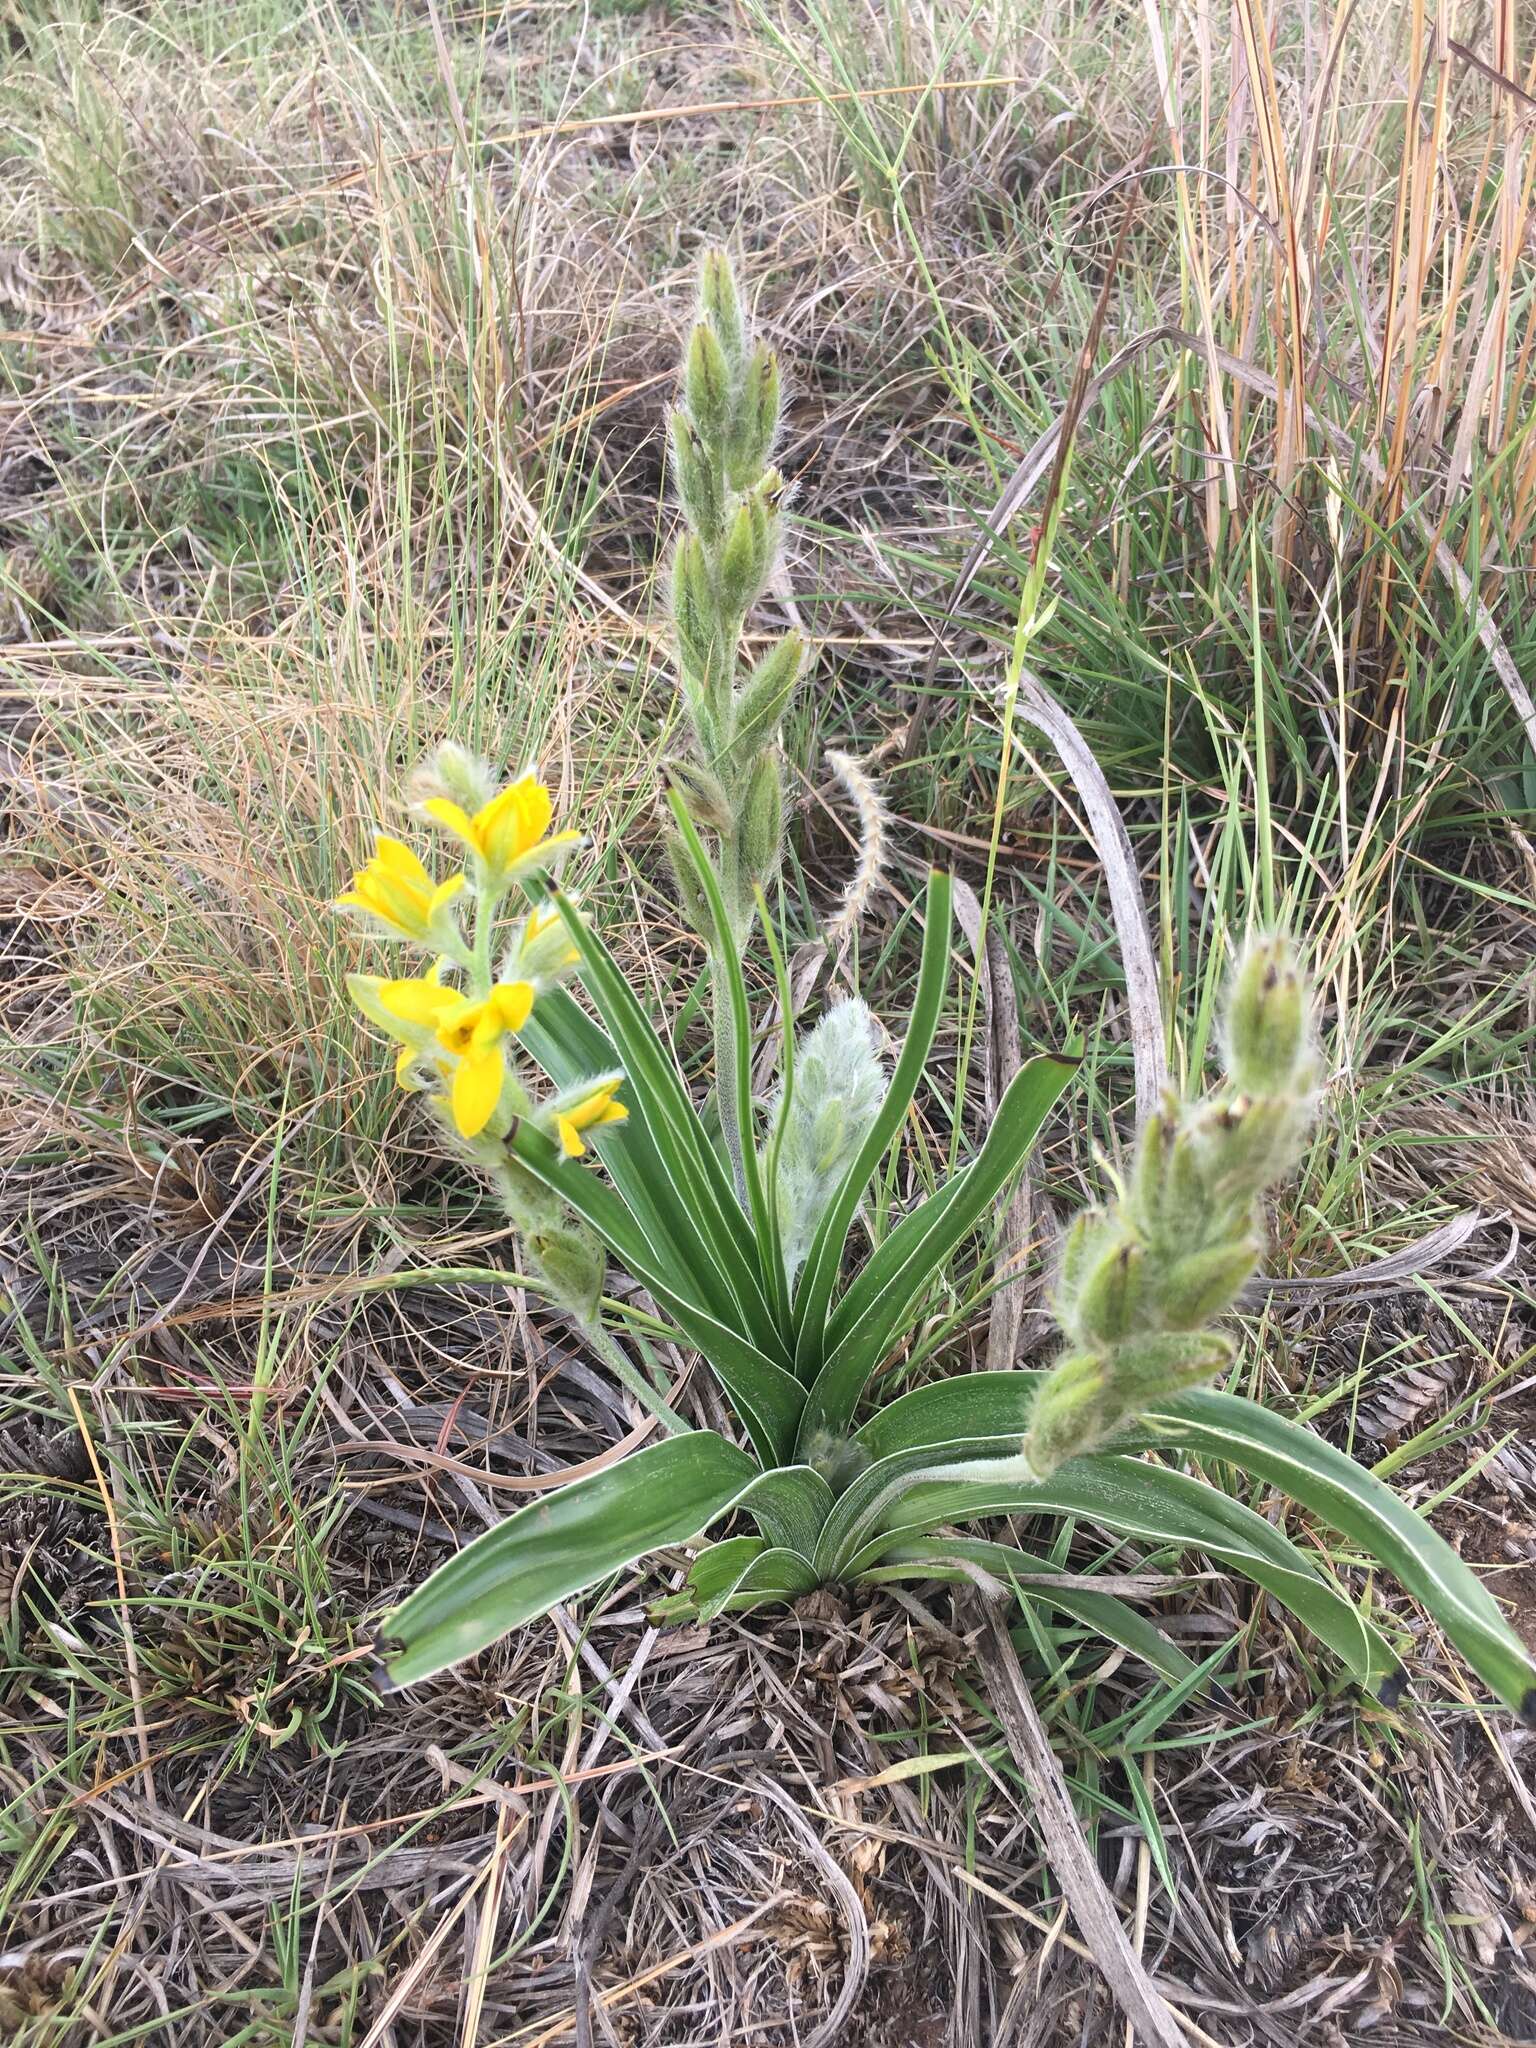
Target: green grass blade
[(560, 1545), (1106, 1613), (823, 1263)]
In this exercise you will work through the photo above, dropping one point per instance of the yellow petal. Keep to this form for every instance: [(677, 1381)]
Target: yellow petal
[(455, 819), (418, 1000), (514, 821), (512, 1003), (396, 858), (443, 895), (477, 1088), (614, 1113), (537, 852), (570, 1138)]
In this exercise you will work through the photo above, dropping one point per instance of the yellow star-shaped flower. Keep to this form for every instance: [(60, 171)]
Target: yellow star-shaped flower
[(510, 834)]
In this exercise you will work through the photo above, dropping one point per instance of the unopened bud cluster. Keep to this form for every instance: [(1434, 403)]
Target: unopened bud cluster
[(839, 1084), (722, 440), (1141, 1281)]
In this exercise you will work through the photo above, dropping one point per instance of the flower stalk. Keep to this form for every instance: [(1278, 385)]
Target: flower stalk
[(722, 436), (1140, 1282)]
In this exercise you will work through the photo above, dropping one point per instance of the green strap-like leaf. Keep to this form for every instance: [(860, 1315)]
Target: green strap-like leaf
[(699, 1179), (1363, 1510), (1107, 1614), (968, 1404), (571, 1047), (864, 1323), (561, 1544), (743, 1571), (767, 1397), (824, 1261), (725, 962), (790, 1505), (1156, 1505)]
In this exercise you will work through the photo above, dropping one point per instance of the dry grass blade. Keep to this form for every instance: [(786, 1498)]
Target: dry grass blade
[(1070, 1858)]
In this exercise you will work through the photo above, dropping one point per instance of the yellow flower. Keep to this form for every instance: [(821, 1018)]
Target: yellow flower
[(476, 1034), (508, 833), (586, 1114), (432, 1021), (395, 888)]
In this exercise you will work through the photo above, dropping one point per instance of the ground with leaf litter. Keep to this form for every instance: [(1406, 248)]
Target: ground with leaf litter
[(337, 351)]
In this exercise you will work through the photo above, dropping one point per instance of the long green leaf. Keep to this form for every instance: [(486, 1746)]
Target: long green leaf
[(767, 1397), (790, 1504), (570, 1047), (967, 1404), (724, 961), (743, 1571), (560, 1545), (865, 1322), (1363, 1510), (699, 1179), (1149, 1502), (823, 1262)]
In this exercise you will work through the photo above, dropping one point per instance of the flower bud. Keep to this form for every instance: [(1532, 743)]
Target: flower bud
[(571, 1261), (747, 554), (694, 615), (1243, 1145), (702, 793), (1109, 1299), (1268, 1022), (707, 386), (450, 771), (700, 484), (764, 697), (1188, 1291), (690, 891), (761, 827), (1151, 1368), (756, 421), (721, 304), (1068, 1415)]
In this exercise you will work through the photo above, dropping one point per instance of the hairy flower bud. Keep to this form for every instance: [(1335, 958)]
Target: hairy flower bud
[(1268, 1022), (572, 1263), (690, 891), (746, 555), (707, 386), (1140, 1282), (721, 304), (755, 421), (839, 1084), (693, 615), (1109, 1302), (1186, 1292), (763, 699), (761, 827), (700, 484), (703, 792), (451, 771)]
